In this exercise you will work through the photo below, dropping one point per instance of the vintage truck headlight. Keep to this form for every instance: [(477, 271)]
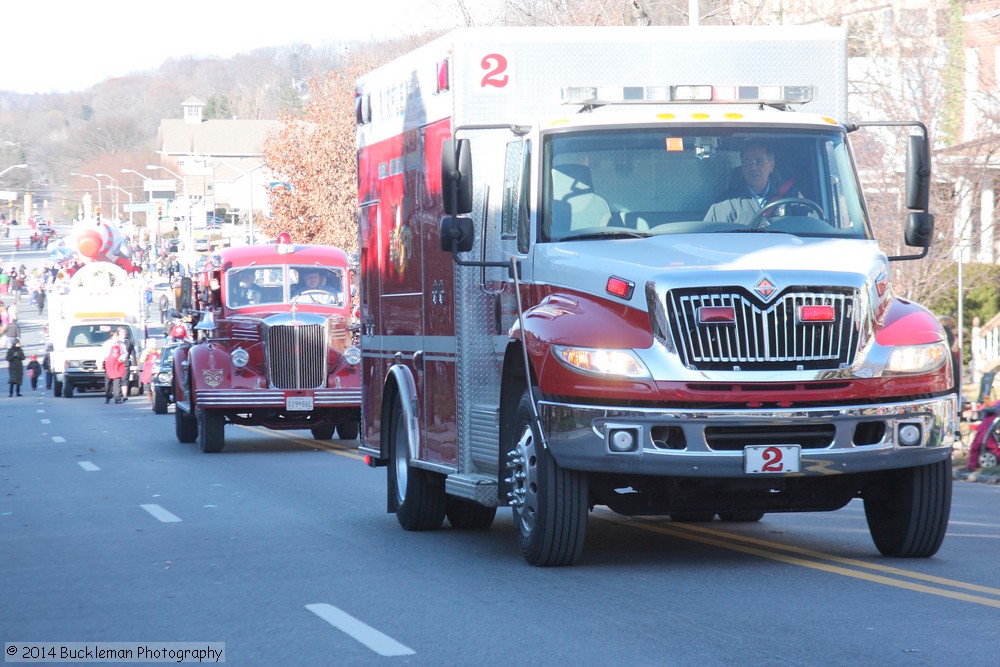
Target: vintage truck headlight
[(240, 357), (165, 377), (917, 359), (73, 363), (605, 363), (352, 355)]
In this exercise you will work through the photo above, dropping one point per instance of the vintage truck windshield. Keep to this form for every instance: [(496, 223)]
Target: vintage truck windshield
[(270, 285), (622, 183)]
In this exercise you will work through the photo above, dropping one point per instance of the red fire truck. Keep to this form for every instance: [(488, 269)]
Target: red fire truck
[(666, 294), (276, 345)]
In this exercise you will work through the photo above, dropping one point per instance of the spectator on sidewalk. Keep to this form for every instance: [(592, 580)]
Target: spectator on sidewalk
[(34, 371)]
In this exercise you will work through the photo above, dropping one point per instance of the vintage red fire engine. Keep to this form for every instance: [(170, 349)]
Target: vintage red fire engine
[(275, 345)]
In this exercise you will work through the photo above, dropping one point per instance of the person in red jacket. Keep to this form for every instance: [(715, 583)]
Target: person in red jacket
[(116, 354)]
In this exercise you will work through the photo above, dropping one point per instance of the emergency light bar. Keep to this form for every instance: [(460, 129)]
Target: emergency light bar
[(687, 94)]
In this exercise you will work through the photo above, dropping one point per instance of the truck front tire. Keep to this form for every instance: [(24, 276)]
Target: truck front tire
[(908, 509), (420, 500), (186, 427), (211, 432), (550, 502)]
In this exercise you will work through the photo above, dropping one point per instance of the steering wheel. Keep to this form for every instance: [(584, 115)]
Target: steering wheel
[(757, 221), (319, 296)]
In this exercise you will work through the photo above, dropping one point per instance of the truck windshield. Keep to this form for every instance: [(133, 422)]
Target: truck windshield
[(264, 285), (607, 183)]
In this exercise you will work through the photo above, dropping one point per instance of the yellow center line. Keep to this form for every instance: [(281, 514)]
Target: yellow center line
[(350, 452), (772, 551)]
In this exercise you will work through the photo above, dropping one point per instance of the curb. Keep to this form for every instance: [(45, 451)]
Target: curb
[(965, 475)]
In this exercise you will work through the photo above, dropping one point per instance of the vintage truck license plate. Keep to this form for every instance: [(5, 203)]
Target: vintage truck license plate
[(768, 459), (298, 403)]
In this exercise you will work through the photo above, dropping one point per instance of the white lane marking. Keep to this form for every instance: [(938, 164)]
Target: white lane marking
[(367, 635), (58, 438), (40, 410), (161, 514), (88, 466), (46, 421)]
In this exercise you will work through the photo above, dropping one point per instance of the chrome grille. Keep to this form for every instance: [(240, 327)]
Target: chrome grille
[(763, 337), (296, 355)]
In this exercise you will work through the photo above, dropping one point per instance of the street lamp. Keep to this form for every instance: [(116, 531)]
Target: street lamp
[(13, 166), (190, 222), (127, 194), (100, 201), (115, 183)]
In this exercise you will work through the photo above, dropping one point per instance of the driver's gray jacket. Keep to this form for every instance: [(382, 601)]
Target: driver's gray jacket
[(741, 206)]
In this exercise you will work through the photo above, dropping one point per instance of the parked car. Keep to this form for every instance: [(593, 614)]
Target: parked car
[(201, 245), (162, 379), (173, 245)]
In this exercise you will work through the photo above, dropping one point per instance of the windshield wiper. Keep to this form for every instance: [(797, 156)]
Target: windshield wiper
[(609, 233)]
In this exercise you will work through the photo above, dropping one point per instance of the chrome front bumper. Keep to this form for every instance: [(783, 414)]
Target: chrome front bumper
[(579, 437), (275, 398)]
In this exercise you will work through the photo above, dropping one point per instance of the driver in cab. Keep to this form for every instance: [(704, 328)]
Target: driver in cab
[(758, 188), (317, 285)]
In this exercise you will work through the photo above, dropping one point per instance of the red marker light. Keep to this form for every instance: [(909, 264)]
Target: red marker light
[(717, 315), (619, 287), (816, 314), (442, 76)]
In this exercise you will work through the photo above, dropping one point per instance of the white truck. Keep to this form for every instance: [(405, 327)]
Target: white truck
[(625, 323), (99, 299)]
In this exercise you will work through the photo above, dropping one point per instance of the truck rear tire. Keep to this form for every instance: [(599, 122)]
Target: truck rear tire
[(159, 403), (908, 509), (322, 432), (466, 515), (186, 426), (348, 430), (211, 431), (550, 503), (419, 495)]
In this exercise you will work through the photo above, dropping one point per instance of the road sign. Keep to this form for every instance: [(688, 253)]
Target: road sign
[(142, 207)]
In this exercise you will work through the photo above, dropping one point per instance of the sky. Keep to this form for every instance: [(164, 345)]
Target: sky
[(69, 45)]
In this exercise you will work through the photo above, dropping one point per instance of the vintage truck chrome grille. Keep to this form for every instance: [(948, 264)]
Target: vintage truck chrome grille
[(757, 336), (296, 355)]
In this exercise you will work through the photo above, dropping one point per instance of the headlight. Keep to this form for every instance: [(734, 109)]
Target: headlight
[(916, 359), (605, 363), (165, 377), (73, 363), (240, 357), (352, 355)]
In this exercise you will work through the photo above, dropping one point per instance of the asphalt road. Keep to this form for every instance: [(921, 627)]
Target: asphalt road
[(280, 548)]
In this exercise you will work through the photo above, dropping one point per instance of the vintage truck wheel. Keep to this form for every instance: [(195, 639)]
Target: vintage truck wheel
[(159, 402), (324, 432), (467, 515), (419, 494), (211, 432), (186, 426), (57, 388), (908, 509), (67, 390), (348, 430), (549, 502)]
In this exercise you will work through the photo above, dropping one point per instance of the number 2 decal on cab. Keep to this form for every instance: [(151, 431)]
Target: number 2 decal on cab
[(496, 71)]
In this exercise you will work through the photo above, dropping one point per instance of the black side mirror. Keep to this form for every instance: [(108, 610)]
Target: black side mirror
[(919, 229), (456, 176), (918, 172), (457, 230)]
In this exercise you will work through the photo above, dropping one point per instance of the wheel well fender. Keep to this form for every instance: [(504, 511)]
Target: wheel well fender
[(399, 385), (514, 382)]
